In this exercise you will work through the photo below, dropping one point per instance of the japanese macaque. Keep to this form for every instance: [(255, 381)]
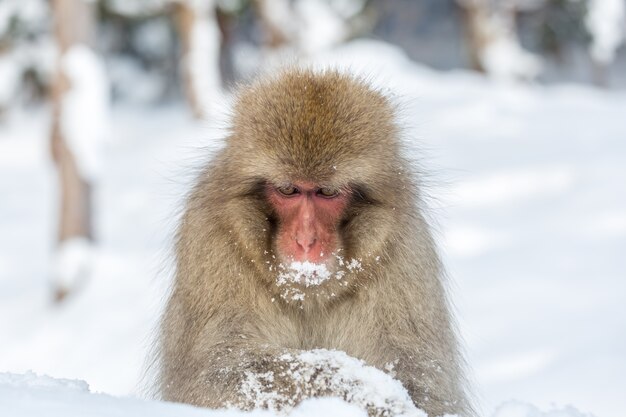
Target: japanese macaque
[(306, 232)]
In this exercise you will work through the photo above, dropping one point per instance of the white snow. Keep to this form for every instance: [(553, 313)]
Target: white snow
[(366, 385), (606, 21), (28, 50), (31, 395), (295, 275), (305, 273), (321, 27), (73, 263), (326, 407), (334, 372), (535, 244), (308, 26), (32, 380), (503, 56), (347, 8), (138, 7), (510, 186), (31, 12), (10, 74), (504, 59), (85, 108), (499, 49), (520, 409)]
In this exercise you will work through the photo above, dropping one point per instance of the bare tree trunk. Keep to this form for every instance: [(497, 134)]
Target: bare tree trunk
[(185, 18), (276, 19), (201, 43), (600, 72), (74, 21), (476, 23)]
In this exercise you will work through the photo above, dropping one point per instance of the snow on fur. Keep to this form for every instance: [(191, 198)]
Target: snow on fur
[(329, 373)]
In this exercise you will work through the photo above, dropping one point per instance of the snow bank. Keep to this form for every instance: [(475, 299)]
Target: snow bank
[(30, 395), (521, 409), (31, 380)]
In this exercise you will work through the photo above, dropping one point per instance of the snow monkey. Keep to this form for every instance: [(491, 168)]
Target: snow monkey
[(306, 232)]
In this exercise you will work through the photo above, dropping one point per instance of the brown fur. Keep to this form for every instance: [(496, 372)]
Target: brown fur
[(226, 315)]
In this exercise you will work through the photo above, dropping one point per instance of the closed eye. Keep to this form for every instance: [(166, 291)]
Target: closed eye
[(288, 190), (328, 192)]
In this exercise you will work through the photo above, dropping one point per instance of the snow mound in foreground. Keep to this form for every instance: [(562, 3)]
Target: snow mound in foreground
[(31, 395), (38, 382), (520, 409), (329, 372)]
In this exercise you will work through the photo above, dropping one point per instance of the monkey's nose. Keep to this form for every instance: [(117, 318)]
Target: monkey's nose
[(305, 242)]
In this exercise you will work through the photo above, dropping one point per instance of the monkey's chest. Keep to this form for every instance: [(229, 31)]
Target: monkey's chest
[(349, 333)]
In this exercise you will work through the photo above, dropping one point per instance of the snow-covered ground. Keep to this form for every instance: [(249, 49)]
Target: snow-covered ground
[(527, 183), (30, 395)]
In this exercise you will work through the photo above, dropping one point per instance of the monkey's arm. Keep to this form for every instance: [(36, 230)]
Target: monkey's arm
[(421, 352), (224, 374), (246, 374)]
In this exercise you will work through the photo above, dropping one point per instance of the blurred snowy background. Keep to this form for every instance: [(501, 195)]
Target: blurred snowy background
[(516, 107)]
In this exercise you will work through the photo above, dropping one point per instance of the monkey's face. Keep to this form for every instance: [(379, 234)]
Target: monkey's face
[(309, 240), (308, 221)]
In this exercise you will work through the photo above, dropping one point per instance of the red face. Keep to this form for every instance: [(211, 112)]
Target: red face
[(309, 217)]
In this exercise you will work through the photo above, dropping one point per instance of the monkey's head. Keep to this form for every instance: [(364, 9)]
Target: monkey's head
[(313, 158)]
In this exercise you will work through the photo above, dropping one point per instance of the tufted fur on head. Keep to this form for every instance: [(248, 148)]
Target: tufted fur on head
[(318, 126)]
